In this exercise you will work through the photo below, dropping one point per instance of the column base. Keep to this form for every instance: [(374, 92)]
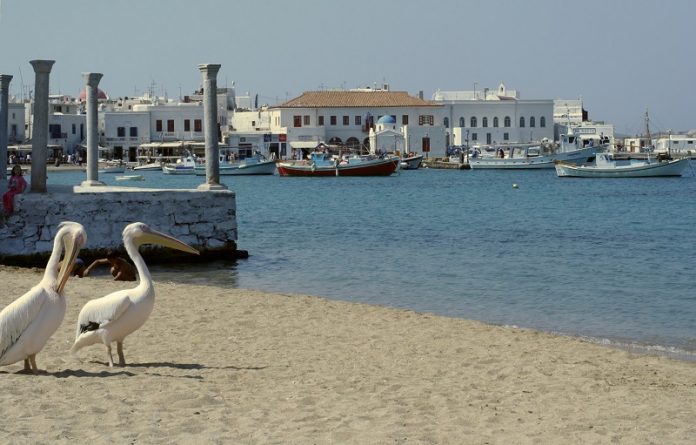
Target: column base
[(207, 186), (91, 183)]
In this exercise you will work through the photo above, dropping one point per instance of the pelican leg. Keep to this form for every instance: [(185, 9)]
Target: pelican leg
[(121, 358), (32, 361), (27, 365), (108, 354)]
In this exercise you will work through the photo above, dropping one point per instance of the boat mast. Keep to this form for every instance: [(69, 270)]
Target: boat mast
[(647, 128)]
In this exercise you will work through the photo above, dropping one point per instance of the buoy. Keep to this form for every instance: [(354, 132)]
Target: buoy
[(515, 186)]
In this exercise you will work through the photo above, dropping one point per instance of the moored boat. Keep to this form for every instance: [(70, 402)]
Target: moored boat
[(322, 164), (183, 166), (253, 165), (609, 166), (411, 162)]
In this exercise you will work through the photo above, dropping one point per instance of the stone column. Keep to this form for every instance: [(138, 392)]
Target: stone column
[(212, 159), (91, 81), (39, 129), (4, 105)]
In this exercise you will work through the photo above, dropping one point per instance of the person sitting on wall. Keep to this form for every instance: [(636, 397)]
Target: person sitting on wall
[(121, 269), (15, 185)]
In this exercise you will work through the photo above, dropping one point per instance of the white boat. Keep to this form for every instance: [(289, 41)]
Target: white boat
[(130, 178), (113, 169), (569, 150), (152, 166), (411, 162), (183, 166), (608, 165), (253, 165)]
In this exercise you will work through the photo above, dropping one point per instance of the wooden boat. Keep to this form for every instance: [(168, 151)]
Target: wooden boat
[(253, 165), (184, 166), (411, 162), (608, 166), (322, 164)]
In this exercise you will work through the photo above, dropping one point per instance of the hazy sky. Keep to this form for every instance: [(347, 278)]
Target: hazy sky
[(620, 56)]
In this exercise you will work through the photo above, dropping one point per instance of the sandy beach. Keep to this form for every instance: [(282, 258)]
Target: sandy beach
[(215, 365)]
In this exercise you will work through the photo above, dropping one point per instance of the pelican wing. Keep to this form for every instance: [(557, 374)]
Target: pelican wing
[(16, 317), (101, 311)]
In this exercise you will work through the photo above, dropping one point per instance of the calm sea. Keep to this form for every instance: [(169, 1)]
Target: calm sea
[(610, 260)]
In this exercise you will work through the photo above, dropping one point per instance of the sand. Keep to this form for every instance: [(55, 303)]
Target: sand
[(215, 365)]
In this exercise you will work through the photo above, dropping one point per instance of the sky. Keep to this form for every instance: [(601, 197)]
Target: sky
[(622, 57)]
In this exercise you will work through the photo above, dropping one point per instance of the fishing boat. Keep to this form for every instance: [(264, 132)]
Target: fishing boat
[(110, 167), (607, 165), (411, 162), (256, 164), (570, 150), (323, 164), (150, 166), (186, 165)]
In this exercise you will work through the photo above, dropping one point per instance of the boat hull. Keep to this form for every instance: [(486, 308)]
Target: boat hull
[(381, 167), (412, 163), (647, 170), (260, 168), (168, 170), (536, 162)]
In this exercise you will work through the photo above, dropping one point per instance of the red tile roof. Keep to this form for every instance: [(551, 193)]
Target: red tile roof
[(337, 99)]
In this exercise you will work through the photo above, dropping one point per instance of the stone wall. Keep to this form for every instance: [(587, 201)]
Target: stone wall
[(204, 219)]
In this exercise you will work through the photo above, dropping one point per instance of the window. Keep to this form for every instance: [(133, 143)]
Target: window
[(346, 120), (532, 122), (462, 122), (495, 121), (472, 122), (521, 121), (297, 121), (474, 136), (507, 122), (321, 121), (488, 138), (358, 120), (134, 132), (484, 122), (158, 125), (187, 124), (121, 132), (74, 128), (197, 125), (404, 119), (306, 120), (445, 122), (54, 130), (506, 136), (170, 125), (426, 119), (542, 121), (333, 120)]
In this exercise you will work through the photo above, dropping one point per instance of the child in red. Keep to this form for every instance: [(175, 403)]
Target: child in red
[(15, 185)]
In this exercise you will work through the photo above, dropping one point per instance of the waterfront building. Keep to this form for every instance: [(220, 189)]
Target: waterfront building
[(494, 116), (343, 119), (676, 144)]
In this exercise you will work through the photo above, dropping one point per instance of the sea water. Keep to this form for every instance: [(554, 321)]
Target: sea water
[(611, 260)]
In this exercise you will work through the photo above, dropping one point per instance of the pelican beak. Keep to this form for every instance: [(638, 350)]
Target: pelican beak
[(155, 237), (72, 245)]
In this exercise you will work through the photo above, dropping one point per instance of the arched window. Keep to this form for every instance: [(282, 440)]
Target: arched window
[(532, 122), (353, 143), (462, 122), (445, 122), (484, 121), (474, 124), (507, 121), (521, 121), (542, 121), (495, 121), (335, 141)]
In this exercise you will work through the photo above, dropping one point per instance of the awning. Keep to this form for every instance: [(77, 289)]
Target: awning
[(304, 144)]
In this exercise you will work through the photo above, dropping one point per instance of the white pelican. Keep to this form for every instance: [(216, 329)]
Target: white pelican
[(114, 316), (29, 321)]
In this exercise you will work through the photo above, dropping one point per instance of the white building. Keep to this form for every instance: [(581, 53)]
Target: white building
[(676, 144), (15, 123), (342, 118), (494, 116)]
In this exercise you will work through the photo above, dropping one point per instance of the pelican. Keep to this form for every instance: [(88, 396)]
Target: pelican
[(111, 318), (29, 321)]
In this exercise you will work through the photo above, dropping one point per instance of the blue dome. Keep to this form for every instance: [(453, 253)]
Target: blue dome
[(386, 120)]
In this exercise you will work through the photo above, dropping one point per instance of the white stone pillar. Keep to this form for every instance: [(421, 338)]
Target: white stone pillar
[(91, 82), (39, 129), (212, 159), (4, 105)]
